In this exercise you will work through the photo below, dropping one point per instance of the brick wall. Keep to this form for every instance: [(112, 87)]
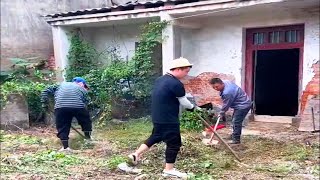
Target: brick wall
[(200, 88), (51, 63), (312, 88), (310, 118)]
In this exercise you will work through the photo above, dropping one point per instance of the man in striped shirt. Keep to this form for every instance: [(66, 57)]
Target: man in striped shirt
[(70, 101)]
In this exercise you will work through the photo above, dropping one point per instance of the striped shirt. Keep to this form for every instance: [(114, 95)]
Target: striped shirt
[(67, 94)]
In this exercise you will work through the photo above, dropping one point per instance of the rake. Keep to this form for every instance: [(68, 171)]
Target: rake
[(219, 137), (72, 127)]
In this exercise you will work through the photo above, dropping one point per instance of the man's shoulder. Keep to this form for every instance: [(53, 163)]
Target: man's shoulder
[(65, 83), (160, 78), (70, 85), (168, 79), (228, 82), (229, 88)]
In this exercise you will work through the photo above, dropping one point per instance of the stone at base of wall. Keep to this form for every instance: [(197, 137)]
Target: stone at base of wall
[(15, 114), (310, 117), (250, 117), (16, 126), (296, 122)]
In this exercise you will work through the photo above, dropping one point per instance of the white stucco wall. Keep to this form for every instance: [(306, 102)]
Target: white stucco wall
[(123, 37), (189, 48), (219, 45), (61, 46)]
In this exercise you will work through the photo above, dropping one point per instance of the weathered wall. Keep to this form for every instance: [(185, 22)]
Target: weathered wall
[(25, 34), (218, 47), (14, 114), (312, 87), (121, 37)]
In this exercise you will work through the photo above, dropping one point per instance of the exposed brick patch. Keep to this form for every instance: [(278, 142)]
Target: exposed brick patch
[(312, 88), (310, 120), (200, 88), (51, 63)]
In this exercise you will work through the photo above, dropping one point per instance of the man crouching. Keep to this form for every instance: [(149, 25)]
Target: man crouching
[(70, 101)]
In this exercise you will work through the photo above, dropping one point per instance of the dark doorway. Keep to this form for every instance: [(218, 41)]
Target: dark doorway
[(276, 83)]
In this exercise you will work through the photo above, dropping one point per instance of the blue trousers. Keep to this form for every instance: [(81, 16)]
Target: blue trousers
[(237, 120)]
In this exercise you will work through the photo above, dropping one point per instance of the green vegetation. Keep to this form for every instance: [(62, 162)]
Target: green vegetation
[(34, 155)]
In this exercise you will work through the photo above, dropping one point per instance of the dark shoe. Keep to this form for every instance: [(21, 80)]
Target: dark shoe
[(229, 137), (233, 142)]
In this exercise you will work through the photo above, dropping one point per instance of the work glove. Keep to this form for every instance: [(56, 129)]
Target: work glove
[(221, 115), (195, 108)]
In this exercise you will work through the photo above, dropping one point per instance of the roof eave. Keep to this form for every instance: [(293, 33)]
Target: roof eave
[(212, 5), (50, 20)]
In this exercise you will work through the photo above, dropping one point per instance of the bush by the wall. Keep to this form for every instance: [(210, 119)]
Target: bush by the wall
[(30, 90), (105, 80), (191, 121), (27, 79), (82, 57)]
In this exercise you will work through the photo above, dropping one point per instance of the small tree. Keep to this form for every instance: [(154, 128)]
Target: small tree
[(82, 57)]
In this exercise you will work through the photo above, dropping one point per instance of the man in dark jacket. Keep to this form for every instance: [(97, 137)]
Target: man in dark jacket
[(233, 97), (167, 96), (70, 101)]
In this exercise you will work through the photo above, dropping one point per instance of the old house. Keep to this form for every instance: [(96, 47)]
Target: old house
[(268, 47)]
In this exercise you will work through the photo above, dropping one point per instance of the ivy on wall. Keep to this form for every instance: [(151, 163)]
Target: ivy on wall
[(142, 61), (82, 57), (106, 81)]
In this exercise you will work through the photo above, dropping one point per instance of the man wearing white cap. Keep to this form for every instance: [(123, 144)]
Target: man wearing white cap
[(167, 95)]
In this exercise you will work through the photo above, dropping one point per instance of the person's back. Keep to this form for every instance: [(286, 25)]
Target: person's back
[(165, 105), (240, 99), (70, 95), (70, 101)]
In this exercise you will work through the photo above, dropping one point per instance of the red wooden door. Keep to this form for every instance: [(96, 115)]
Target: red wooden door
[(270, 38)]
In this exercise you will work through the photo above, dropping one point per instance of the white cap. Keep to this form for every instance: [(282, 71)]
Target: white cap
[(180, 62)]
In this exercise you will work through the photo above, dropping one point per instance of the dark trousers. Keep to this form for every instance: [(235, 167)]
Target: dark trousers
[(170, 134), (238, 117), (64, 118)]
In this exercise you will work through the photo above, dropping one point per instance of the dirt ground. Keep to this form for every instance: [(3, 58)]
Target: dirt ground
[(268, 151), (277, 131)]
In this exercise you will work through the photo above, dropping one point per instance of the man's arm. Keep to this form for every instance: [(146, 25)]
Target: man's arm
[(184, 102), (85, 98), (227, 101), (180, 93), (47, 92)]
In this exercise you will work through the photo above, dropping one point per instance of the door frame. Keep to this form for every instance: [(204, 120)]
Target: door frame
[(266, 45)]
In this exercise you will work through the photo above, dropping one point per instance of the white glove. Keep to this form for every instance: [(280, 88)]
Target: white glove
[(198, 108)]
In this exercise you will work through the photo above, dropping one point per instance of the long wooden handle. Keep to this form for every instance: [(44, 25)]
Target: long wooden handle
[(219, 137), (215, 128), (76, 130), (314, 125)]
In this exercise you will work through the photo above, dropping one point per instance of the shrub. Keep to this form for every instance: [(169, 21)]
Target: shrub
[(27, 79)]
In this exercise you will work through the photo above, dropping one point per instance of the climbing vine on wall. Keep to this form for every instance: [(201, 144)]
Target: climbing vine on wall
[(82, 57), (108, 82), (142, 61)]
